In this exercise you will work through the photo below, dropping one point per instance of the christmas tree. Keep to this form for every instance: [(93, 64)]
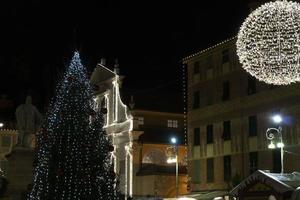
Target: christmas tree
[(73, 152), (103, 165)]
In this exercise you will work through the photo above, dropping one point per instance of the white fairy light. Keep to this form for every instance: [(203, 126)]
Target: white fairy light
[(268, 43)]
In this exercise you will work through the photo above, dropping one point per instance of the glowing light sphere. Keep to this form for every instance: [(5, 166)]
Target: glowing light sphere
[(268, 43)]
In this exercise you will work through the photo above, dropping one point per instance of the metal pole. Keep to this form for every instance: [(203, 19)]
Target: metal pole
[(281, 149), (176, 171), (281, 152), (270, 135)]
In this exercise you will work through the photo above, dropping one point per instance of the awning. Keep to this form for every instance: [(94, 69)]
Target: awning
[(206, 196)]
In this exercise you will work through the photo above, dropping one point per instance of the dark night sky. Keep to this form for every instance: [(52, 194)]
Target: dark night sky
[(149, 39)]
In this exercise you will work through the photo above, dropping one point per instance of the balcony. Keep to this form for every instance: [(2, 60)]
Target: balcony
[(153, 169)]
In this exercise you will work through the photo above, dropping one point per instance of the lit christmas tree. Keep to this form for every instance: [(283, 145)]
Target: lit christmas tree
[(103, 166), (73, 152)]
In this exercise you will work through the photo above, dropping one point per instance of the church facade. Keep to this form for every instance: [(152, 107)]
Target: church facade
[(118, 123)]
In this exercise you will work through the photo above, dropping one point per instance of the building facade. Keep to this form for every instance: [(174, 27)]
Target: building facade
[(228, 115), (140, 156), (154, 175)]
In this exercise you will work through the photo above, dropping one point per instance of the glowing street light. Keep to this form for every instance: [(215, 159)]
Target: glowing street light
[(1, 124), (271, 133), (277, 119), (173, 140), (271, 145)]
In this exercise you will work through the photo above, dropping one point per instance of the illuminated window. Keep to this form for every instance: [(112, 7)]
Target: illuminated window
[(172, 123)]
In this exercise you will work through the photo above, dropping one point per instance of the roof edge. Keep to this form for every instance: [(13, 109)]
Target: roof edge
[(207, 49)]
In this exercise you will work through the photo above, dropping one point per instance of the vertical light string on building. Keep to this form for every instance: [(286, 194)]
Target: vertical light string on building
[(115, 99), (106, 122), (184, 94), (128, 169)]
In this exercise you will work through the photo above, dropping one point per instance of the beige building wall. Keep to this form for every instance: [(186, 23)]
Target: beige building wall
[(207, 74), (161, 180)]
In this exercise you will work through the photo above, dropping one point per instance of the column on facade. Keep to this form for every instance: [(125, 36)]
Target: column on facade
[(129, 169)]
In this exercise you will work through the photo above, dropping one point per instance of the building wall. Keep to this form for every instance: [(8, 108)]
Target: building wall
[(157, 119), (160, 181), (208, 71)]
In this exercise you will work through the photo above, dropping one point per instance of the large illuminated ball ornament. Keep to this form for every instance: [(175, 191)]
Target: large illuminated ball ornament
[(268, 43)]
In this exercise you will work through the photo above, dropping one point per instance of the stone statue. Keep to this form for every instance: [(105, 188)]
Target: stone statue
[(29, 120)]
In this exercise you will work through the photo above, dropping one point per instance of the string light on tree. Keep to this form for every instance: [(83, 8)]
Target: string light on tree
[(268, 43), (74, 152)]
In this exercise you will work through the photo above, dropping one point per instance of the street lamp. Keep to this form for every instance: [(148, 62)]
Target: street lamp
[(277, 119), (172, 160), (271, 133)]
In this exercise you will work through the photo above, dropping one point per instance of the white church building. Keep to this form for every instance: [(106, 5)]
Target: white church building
[(118, 123)]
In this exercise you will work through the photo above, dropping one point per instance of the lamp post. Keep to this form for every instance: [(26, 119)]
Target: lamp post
[(175, 147), (271, 133)]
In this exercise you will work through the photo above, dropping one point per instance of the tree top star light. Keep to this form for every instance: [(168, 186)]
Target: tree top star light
[(268, 43)]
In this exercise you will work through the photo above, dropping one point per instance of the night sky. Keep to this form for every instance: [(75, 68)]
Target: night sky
[(148, 38)]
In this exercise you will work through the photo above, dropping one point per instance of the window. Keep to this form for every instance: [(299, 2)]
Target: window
[(253, 125), (155, 156), (209, 72), (196, 99), (226, 91), (253, 161), (225, 56), (172, 123), (226, 130), (196, 171), (140, 120), (210, 170), (196, 136), (251, 85), (209, 98), (209, 62), (209, 134), (227, 168), (196, 68)]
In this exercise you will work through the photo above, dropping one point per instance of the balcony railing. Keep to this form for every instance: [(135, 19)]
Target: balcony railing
[(153, 169)]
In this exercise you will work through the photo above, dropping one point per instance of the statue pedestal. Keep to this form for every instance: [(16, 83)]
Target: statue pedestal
[(20, 166)]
